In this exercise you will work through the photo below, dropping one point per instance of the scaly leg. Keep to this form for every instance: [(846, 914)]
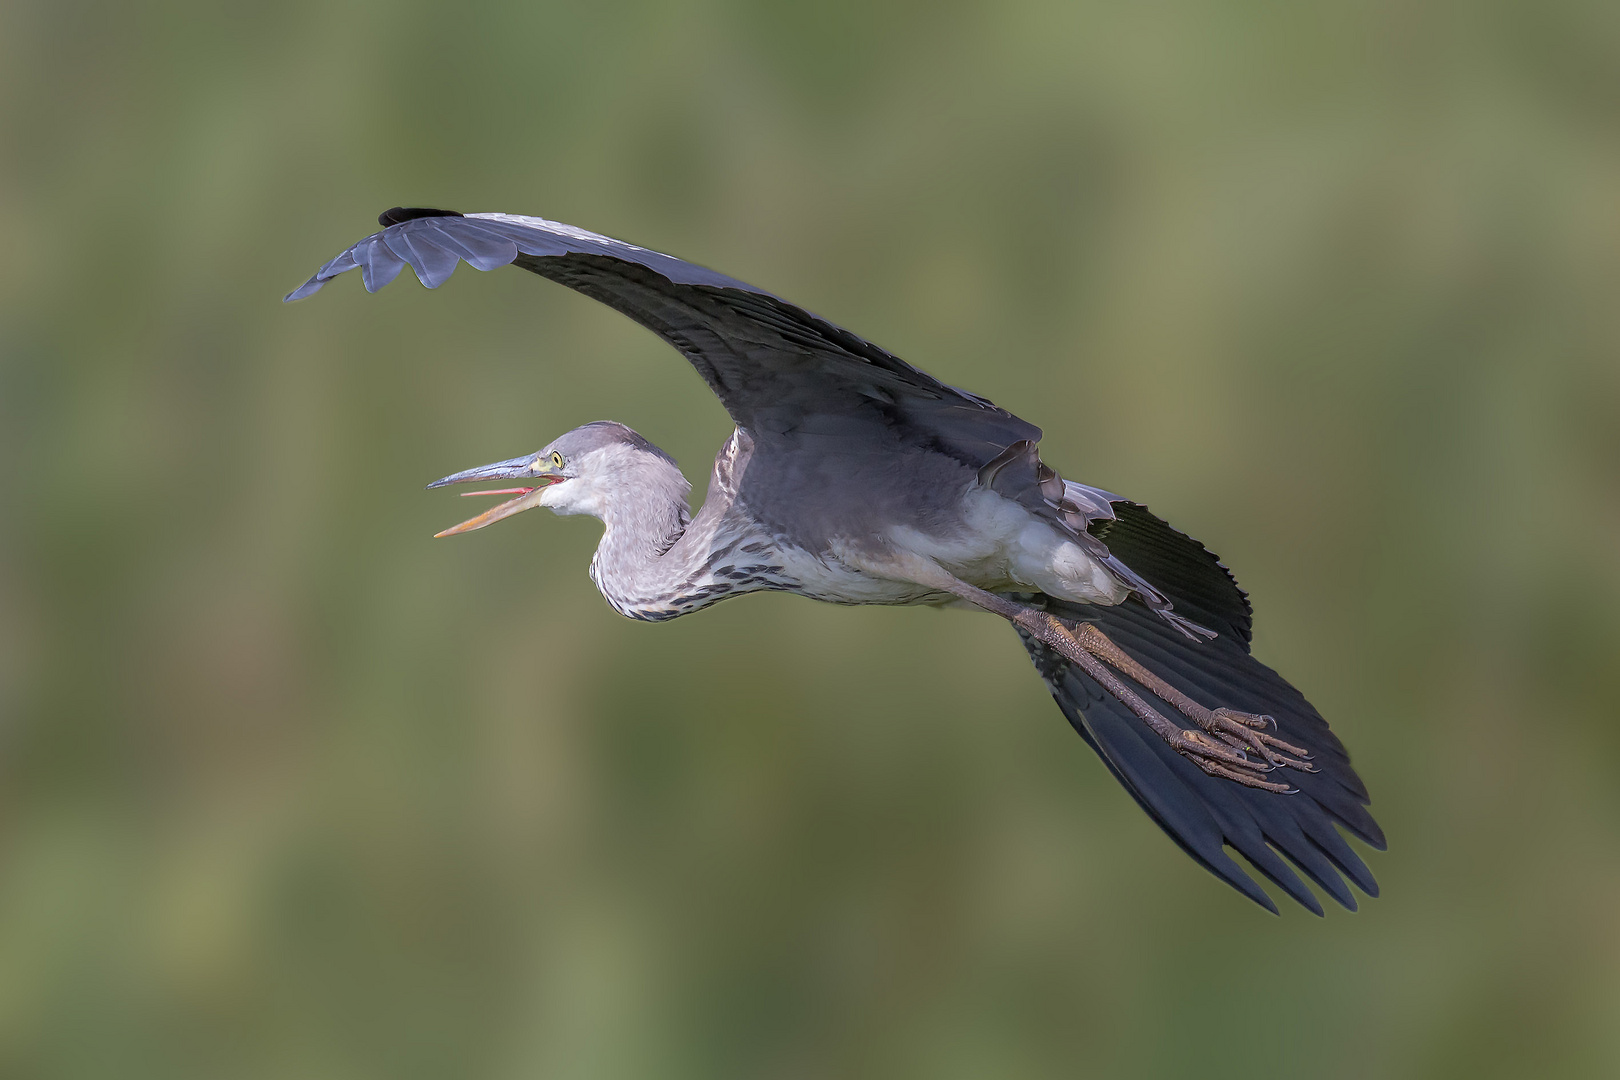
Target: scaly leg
[(1217, 754), (1246, 731), (1224, 739)]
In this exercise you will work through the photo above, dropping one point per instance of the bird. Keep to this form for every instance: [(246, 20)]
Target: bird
[(855, 478)]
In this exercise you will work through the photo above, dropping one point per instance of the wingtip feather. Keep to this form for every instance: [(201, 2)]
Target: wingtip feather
[(1276, 835), (308, 288)]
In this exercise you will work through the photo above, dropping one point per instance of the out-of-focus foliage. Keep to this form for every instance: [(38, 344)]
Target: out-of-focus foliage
[(288, 789)]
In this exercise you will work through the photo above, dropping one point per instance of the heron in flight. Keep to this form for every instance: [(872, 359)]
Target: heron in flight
[(855, 478)]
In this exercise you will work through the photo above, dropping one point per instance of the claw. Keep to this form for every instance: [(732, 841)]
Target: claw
[(1283, 762), (1241, 730)]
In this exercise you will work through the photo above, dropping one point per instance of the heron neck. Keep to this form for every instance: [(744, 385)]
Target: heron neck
[(656, 562), (639, 536), (642, 559)]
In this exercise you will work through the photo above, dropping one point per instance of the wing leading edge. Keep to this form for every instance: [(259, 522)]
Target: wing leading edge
[(777, 368)]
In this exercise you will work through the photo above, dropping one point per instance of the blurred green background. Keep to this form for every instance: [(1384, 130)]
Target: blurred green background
[(289, 789)]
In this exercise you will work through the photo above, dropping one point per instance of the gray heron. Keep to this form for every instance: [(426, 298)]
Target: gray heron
[(855, 478)]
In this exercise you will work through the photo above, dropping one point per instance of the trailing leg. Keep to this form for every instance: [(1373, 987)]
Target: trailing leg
[(1221, 744), (1243, 730)]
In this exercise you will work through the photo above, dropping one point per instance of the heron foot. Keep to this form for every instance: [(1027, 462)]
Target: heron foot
[(1246, 731), (1217, 759)]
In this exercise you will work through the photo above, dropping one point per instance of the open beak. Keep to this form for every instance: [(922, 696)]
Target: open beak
[(525, 468)]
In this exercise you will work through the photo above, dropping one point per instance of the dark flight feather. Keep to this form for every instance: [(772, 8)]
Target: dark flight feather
[(1203, 814)]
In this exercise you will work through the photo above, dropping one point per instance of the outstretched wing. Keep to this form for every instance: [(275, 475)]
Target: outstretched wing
[(1201, 813), (777, 369)]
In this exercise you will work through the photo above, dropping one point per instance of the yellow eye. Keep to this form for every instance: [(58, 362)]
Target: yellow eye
[(556, 460)]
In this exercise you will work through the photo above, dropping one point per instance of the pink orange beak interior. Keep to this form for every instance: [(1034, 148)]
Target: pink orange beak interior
[(526, 497)]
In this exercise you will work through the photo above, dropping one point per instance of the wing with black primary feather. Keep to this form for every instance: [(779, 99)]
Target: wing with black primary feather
[(1201, 813)]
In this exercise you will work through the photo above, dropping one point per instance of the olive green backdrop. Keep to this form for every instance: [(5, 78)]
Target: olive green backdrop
[(289, 789)]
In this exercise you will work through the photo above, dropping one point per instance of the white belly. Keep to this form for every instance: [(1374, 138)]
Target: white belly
[(1001, 546)]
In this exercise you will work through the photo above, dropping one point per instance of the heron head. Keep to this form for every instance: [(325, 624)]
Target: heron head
[(578, 473)]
